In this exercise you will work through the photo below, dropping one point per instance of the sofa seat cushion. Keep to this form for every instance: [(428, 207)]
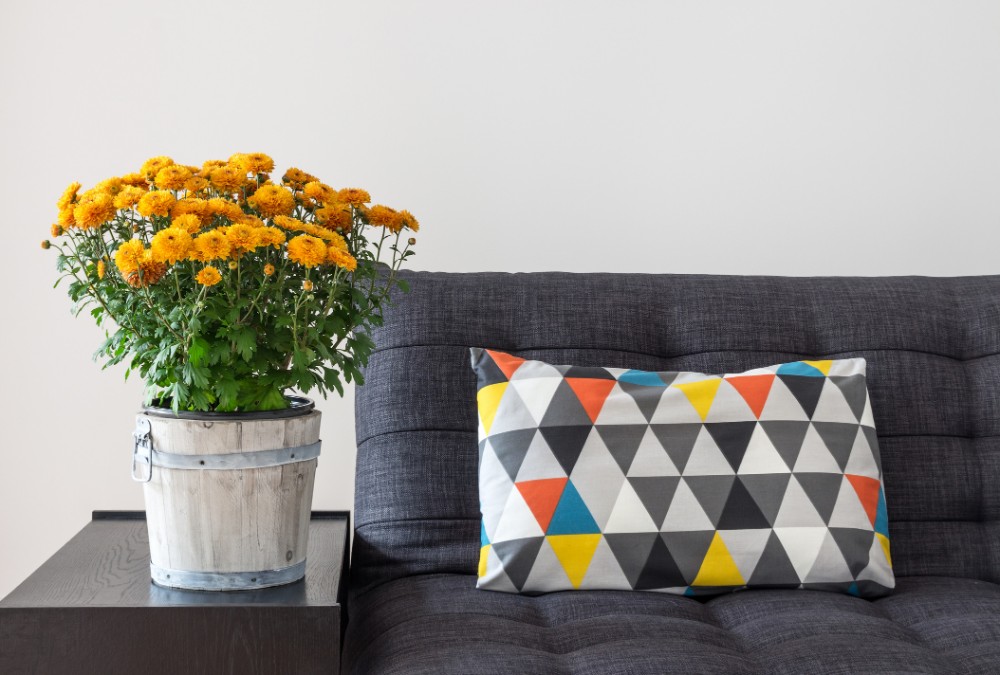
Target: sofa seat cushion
[(440, 624)]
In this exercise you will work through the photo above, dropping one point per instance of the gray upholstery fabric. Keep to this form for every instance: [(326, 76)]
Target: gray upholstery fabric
[(933, 351)]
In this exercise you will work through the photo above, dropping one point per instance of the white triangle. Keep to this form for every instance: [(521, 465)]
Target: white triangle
[(620, 408), (539, 462), (706, 459), (674, 408), (651, 459), (781, 404), (868, 417), (861, 461), (802, 544), (547, 574), (761, 455), (814, 456), (878, 569), (494, 490), (848, 511), (517, 520), (511, 414), (729, 406), (797, 509), (830, 566), (536, 393), (685, 513), (605, 573), (629, 513), (535, 370), (832, 406), (495, 578), (685, 377), (847, 367), (597, 477), (745, 547)]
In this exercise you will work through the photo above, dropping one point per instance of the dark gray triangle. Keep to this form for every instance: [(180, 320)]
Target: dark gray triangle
[(678, 440), (872, 438), (822, 490), (482, 448), (712, 492), (806, 390), (854, 390), (647, 398), (518, 557), (487, 371), (589, 373), (855, 545), (774, 568), (566, 443), (564, 409), (839, 438), (668, 377), (622, 441), (768, 491), (688, 550), (732, 439), (786, 436), (660, 571), (655, 493), (632, 551), (741, 511), (510, 448)]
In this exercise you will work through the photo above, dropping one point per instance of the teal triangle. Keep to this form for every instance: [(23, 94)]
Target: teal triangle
[(799, 368), (853, 589), (882, 515), (483, 539), (643, 377), (571, 515)]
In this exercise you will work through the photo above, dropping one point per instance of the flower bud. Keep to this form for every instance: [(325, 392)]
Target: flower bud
[(45, 244), (307, 285), (233, 264), (411, 241)]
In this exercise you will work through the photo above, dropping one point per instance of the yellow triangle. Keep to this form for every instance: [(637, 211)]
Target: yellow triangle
[(489, 400), (484, 555), (882, 539), (821, 366), (575, 551), (718, 567), (701, 394)]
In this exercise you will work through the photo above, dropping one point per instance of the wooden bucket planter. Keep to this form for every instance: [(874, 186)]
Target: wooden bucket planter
[(228, 495)]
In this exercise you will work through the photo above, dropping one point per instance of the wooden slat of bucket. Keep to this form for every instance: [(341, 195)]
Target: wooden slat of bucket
[(235, 520)]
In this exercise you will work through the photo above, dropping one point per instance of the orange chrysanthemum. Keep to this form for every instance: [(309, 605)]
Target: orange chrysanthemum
[(128, 197), (171, 244), (195, 184), (271, 236), (335, 216), (212, 245), (320, 192), (94, 210), (188, 222), (129, 256), (68, 197), (341, 258), (272, 200), (156, 203), (242, 238), (254, 162), (135, 180), (172, 177), (268, 270), (307, 250), (217, 206), (355, 196), (152, 166), (298, 177), (208, 276), (227, 178)]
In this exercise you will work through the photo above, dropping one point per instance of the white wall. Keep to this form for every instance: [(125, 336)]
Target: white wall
[(732, 137)]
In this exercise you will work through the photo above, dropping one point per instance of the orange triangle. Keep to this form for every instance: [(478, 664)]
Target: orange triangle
[(592, 393), (867, 489), (754, 390), (507, 363), (542, 497)]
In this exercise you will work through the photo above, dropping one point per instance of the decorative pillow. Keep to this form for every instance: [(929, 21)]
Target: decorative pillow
[(606, 478)]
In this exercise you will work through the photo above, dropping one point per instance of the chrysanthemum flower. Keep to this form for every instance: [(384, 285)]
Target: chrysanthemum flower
[(148, 273), (170, 245), (94, 210), (341, 258), (188, 222), (172, 177), (242, 238), (227, 178), (253, 162), (56, 230), (268, 270), (298, 177), (192, 206), (409, 222), (289, 223), (68, 196), (195, 184), (209, 166), (336, 216), (128, 197), (307, 285), (135, 180), (65, 217), (354, 196), (46, 244), (152, 166), (212, 245), (338, 242), (272, 200), (217, 206), (129, 256), (320, 192), (271, 236), (383, 216), (307, 250), (111, 186), (208, 276), (156, 203)]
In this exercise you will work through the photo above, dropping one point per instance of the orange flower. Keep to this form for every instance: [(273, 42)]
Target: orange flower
[(208, 276), (341, 258), (355, 196), (94, 210), (272, 200), (307, 250), (156, 203)]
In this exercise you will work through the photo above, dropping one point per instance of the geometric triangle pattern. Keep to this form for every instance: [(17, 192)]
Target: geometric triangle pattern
[(679, 482)]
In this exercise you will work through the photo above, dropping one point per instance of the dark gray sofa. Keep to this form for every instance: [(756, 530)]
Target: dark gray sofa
[(933, 348)]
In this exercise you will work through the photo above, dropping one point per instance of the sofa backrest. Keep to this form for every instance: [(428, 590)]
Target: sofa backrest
[(933, 351)]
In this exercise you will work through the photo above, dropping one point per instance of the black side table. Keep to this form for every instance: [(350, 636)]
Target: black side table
[(91, 608)]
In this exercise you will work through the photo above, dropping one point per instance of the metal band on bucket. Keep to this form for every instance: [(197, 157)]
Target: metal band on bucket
[(238, 460), (226, 581)]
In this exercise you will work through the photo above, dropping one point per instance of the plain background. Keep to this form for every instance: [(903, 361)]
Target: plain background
[(792, 137)]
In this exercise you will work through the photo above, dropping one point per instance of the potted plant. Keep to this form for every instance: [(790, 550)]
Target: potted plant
[(225, 290)]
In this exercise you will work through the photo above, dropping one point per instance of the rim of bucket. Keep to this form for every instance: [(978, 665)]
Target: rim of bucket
[(297, 405)]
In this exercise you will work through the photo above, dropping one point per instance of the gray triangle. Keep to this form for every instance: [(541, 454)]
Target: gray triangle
[(482, 448), (774, 568), (668, 377), (518, 557), (646, 397), (768, 490), (873, 444), (678, 440), (786, 436), (565, 409), (688, 550), (839, 438), (655, 493), (822, 490), (855, 545), (622, 441), (854, 390), (510, 448), (632, 551), (712, 492)]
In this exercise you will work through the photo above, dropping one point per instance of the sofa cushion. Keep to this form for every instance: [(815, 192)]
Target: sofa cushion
[(442, 625), (682, 482)]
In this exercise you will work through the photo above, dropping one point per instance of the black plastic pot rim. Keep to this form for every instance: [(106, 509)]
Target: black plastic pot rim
[(297, 406)]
